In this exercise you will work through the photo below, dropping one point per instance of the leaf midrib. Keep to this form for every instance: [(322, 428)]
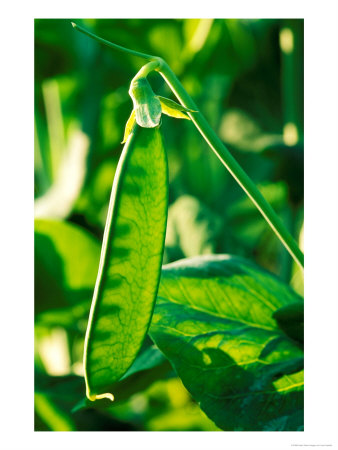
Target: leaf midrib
[(214, 314)]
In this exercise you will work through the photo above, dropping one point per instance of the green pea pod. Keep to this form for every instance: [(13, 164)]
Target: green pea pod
[(130, 264)]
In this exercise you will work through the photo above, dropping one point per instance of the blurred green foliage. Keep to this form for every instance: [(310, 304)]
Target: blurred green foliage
[(246, 76)]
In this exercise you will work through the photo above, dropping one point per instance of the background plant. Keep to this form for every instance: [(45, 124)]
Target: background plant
[(77, 121)]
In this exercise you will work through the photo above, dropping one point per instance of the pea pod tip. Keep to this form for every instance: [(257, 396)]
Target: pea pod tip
[(94, 397)]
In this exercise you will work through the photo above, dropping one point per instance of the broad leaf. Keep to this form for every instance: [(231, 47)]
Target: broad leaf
[(290, 319), (214, 322), (130, 264)]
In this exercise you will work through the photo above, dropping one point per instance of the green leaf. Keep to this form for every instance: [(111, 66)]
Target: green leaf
[(213, 320), (146, 105), (173, 109), (129, 126), (150, 366), (65, 259), (290, 319), (130, 265), (147, 359)]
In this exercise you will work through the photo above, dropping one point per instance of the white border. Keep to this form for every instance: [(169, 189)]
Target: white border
[(321, 227)]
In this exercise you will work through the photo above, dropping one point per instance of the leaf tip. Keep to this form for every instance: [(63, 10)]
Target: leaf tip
[(173, 109)]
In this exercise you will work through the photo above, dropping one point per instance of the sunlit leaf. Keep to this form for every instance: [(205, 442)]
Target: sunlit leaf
[(173, 109), (129, 126), (213, 320), (130, 263)]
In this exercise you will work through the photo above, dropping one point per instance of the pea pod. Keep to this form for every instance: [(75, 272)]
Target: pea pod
[(130, 263)]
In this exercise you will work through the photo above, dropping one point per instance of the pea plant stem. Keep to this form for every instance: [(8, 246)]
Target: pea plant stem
[(231, 164), (111, 44), (214, 143)]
